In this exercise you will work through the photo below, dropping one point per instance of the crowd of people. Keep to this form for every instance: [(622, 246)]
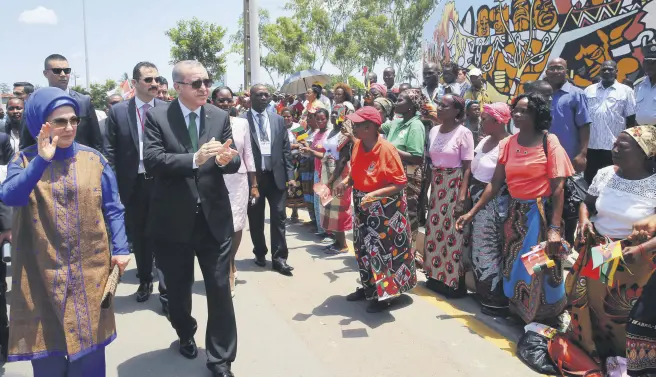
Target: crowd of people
[(172, 179)]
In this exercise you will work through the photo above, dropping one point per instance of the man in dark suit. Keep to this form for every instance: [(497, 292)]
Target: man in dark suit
[(274, 168), (187, 151), (58, 73), (125, 129), (6, 154), (102, 124)]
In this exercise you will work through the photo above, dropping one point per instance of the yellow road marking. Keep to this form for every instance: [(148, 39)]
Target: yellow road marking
[(465, 318)]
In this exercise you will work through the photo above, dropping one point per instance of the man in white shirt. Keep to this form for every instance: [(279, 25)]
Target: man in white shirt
[(645, 88), (124, 129), (612, 107)]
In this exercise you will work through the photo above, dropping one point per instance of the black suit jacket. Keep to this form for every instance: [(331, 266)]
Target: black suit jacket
[(168, 157), (6, 154), (281, 156), (88, 131), (122, 144)]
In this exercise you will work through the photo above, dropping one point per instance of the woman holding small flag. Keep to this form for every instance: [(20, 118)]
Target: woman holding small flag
[(607, 281)]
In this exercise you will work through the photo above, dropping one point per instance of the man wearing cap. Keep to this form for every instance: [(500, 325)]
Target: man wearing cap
[(477, 92), (645, 88)]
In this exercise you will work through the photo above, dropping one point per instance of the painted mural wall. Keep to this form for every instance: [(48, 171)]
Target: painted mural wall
[(511, 41)]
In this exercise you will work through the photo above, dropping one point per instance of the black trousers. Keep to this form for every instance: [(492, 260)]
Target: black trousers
[(597, 159), (177, 262), (136, 215), (276, 198), (4, 318)]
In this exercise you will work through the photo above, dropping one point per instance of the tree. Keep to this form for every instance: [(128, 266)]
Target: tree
[(80, 89), (347, 56), (376, 36), (5, 88), (98, 93), (201, 41)]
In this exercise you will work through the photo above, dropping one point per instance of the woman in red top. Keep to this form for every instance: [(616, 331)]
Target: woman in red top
[(536, 180), (381, 230)]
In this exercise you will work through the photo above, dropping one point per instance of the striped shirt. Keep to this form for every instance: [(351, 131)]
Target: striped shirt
[(609, 108)]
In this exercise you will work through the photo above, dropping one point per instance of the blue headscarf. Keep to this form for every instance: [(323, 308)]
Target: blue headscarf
[(42, 103)]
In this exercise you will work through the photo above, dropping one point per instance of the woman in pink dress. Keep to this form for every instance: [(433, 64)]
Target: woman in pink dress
[(451, 150), (237, 183)]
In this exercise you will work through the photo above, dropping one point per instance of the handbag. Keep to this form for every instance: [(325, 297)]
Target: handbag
[(110, 288), (576, 189), (571, 359)]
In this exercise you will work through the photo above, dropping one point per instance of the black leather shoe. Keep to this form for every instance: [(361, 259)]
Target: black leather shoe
[(188, 348), (223, 374), (282, 267), (260, 261), (144, 291)]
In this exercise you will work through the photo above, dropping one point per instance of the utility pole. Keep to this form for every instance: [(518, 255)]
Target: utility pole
[(251, 43), (86, 47)]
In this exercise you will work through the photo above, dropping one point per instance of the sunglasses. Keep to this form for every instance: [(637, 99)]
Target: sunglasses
[(58, 71), (149, 80), (198, 83), (13, 108), (224, 100), (63, 122)]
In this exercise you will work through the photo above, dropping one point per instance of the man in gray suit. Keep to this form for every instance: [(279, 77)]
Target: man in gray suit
[(274, 170)]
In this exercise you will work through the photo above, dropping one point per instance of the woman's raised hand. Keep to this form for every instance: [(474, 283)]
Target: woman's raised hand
[(46, 146)]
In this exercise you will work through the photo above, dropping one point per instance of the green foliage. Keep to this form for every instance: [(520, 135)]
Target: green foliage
[(80, 89), (99, 93), (199, 40)]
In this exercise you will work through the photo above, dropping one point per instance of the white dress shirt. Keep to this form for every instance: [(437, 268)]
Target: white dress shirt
[(646, 103), (140, 116), (267, 127), (609, 108)]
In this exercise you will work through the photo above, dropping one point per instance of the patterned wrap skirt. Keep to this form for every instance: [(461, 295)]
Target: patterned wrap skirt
[(446, 249), (415, 175), (487, 246), (381, 237), (306, 168), (237, 185), (641, 332), (296, 200), (600, 313), (532, 298), (336, 216)]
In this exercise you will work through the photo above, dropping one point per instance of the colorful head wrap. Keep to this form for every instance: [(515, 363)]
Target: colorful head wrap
[(385, 104), (499, 111), (342, 110), (382, 89), (42, 103), (417, 98), (645, 137)]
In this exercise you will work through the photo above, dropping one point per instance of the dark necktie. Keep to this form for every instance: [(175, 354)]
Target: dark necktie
[(193, 131)]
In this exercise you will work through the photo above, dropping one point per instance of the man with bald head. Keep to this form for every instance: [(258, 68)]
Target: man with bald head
[(431, 75), (275, 173), (389, 77), (569, 112), (187, 150), (372, 77), (612, 110)]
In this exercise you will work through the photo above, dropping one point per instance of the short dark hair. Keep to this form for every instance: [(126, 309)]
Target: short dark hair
[(216, 91), (452, 67), (136, 72), (253, 91), (29, 88), (163, 81), (322, 110), (538, 106), (53, 57)]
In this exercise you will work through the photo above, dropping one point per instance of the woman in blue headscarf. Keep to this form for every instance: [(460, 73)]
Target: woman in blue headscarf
[(64, 193)]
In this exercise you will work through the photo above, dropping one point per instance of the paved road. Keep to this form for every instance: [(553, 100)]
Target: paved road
[(303, 327)]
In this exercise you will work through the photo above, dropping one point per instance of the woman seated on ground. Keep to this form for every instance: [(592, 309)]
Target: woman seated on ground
[(641, 325), (337, 215), (451, 150), (536, 180), (487, 227), (380, 229), (619, 196)]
